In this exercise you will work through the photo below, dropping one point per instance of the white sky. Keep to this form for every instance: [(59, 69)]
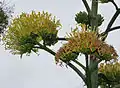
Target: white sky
[(41, 71)]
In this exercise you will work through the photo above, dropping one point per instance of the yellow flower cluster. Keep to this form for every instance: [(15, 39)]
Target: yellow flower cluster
[(43, 25), (86, 41), (110, 70)]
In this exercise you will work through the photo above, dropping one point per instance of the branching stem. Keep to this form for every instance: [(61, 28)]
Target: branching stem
[(113, 2), (69, 64), (86, 5), (112, 20), (114, 28)]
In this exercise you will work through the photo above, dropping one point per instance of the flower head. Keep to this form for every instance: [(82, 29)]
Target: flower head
[(86, 42), (111, 72), (27, 29)]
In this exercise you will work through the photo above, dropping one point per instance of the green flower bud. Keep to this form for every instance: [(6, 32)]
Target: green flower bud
[(100, 19), (82, 17)]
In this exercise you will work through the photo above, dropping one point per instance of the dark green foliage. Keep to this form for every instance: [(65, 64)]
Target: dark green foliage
[(5, 14), (3, 20)]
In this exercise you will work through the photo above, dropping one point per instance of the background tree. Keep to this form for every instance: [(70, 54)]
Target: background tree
[(5, 14), (30, 32)]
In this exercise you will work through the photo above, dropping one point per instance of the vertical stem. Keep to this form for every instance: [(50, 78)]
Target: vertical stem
[(88, 74), (94, 9), (94, 25), (94, 72)]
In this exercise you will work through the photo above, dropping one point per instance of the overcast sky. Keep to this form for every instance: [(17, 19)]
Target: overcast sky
[(41, 71)]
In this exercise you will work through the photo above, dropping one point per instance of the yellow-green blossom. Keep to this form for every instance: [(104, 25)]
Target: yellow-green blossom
[(111, 71), (27, 29)]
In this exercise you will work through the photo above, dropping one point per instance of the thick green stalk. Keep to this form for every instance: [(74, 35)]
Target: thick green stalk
[(88, 73), (94, 73), (94, 25), (93, 15)]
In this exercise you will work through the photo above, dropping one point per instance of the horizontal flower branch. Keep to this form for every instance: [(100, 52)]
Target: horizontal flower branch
[(62, 39), (114, 28), (78, 63)]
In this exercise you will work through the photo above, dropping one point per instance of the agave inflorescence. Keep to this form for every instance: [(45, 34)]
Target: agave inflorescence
[(27, 29), (86, 42), (112, 73)]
